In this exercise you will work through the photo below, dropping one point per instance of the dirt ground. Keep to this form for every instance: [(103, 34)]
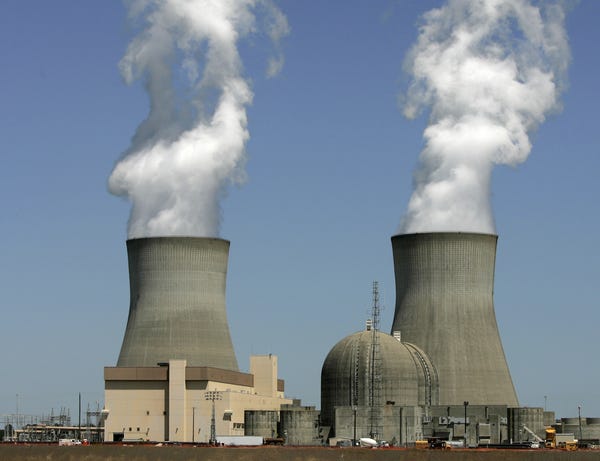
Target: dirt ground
[(183, 453)]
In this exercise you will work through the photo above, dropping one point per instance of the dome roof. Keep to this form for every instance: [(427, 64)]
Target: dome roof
[(402, 373)]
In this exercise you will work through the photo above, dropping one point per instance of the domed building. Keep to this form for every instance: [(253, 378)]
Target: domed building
[(368, 377)]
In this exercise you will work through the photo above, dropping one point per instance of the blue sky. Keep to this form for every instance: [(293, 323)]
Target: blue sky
[(330, 164)]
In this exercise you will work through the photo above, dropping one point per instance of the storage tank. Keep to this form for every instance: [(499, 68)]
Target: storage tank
[(444, 305), (523, 418), (300, 425), (177, 303), (262, 423)]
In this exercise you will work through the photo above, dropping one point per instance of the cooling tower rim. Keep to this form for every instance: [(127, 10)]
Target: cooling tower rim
[(166, 238), (442, 233)]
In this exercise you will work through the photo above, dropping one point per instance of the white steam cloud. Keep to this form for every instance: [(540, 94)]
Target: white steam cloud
[(490, 71), (192, 144)]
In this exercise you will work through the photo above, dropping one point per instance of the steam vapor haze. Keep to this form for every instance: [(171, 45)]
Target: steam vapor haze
[(489, 71), (192, 143)]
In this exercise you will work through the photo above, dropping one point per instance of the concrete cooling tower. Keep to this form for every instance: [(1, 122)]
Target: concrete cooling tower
[(177, 308), (444, 305)]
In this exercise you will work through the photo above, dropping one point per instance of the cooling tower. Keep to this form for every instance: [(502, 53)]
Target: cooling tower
[(177, 307), (444, 305)]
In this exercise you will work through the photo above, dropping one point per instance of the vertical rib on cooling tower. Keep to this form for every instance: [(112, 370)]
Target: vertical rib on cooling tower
[(177, 308), (444, 305)]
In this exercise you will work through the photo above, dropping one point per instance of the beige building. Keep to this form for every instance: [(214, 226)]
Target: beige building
[(174, 402)]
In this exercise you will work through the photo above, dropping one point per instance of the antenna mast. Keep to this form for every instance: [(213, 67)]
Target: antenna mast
[(375, 368)]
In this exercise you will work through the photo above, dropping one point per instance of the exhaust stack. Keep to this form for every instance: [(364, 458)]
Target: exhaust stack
[(444, 305), (177, 307)]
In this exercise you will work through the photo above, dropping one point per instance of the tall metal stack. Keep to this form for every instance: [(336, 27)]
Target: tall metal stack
[(177, 306), (444, 305)]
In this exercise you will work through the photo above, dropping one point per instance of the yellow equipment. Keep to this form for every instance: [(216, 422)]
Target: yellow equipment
[(550, 437)]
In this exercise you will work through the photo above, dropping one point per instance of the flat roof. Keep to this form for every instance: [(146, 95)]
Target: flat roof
[(191, 374)]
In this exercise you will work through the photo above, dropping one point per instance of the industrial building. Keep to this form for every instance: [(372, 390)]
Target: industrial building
[(178, 403), (586, 429), (177, 377), (442, 372)]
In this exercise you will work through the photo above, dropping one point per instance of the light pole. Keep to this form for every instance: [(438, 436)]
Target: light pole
[(213, 395), (79, 423), (466, 404), (579, 414)]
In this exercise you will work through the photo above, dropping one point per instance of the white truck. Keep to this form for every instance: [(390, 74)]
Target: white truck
[(68, 442)]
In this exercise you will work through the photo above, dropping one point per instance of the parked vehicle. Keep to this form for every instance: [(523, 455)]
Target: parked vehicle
[(68, 442)]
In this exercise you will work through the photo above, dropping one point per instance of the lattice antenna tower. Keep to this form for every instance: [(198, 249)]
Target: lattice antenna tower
[(375, 368)]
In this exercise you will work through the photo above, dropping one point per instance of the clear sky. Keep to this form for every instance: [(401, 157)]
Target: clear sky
[(330, 165)]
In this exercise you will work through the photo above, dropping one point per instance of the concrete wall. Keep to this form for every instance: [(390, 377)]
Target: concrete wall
[(485, 423), (401, 425), (136, 410), (264, 369), (177, 401)]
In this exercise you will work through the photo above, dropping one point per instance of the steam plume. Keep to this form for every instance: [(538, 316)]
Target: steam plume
[(192, 143), (490, 71)]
